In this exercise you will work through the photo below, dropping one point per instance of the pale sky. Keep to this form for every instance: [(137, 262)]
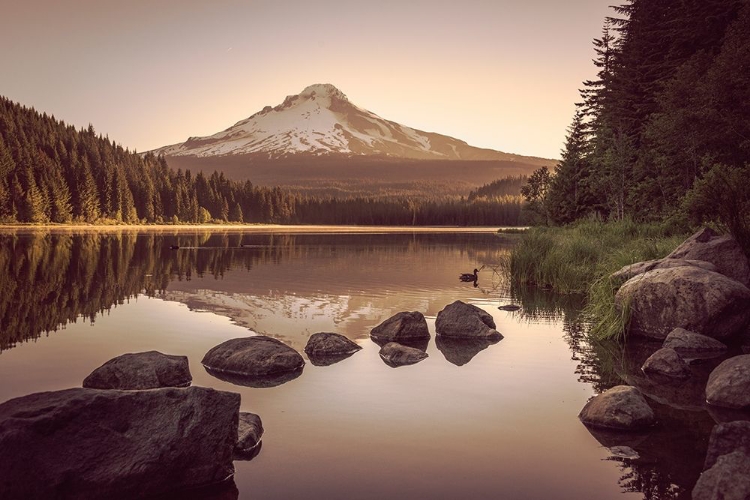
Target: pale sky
[(499, 74)]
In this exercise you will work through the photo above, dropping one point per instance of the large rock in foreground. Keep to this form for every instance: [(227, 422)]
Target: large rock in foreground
[(324, 349), (142, 370), (729, 384), (253, 357), (691, 345), (684, 297), (91, 443), (460, 319), (619, 408), (722, 251), (400, 327), (395, 354), (728, 479)]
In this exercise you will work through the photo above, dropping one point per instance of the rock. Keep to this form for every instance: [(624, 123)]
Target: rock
[(92, 443), (395, 354), (249, 434), (666, 363), (142, 370), (460, 351), (324, 349), (729, 479), (632, 270), (619, 408), (722, 251), (253, 357), (727, 438), (729, 384), (509, 307), (258, 382), (466, 321), (402, 326), (691, 345), (684, 297)]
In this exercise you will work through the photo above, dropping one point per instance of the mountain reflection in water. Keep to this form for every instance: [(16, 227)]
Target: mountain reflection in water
[(290, 286)]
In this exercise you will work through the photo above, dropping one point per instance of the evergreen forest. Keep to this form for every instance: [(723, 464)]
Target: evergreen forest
[(51, 172), (663, 131)]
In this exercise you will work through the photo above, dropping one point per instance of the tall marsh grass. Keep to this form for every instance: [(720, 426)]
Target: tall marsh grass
[(581, 257)]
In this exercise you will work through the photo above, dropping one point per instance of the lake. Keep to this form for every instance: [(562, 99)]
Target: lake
[(476, 421)]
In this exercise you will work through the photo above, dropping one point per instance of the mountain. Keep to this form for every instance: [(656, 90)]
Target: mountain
[(322, 121), (318, 142)]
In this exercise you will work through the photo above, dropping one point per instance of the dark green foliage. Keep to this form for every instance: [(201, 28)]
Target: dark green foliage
[(507, 186), (722, 196), (535, 193), (670, 100)]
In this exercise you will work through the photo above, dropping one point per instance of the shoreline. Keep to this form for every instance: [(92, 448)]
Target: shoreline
[(256, 228)]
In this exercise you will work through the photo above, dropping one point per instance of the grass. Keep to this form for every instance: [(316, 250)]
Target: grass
[(581, 257)]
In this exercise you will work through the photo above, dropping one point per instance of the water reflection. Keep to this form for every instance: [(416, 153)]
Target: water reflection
[(461, 351)]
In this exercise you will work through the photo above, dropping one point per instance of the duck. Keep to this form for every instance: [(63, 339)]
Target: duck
[(469, 276), (174, 247)]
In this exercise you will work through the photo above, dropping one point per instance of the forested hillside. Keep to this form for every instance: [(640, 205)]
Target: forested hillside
[(51, 172), (664, 129)]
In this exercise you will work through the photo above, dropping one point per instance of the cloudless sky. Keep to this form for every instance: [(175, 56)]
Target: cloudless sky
[(499, 74)]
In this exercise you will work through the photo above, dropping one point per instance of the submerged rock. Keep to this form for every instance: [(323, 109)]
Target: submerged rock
[(509, 307), (693, 345), (324, 349), (463, 320), (249, 434), (727, 438), (686, 297), (461, 351), (619, 408), (142, 370), (722, 251), (253, 357), (92, 443), (729, 384), (395, 354), (400, 327), (728, 479), (666, 363)]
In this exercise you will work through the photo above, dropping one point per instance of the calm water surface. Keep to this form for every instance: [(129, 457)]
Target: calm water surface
[(481, 421)]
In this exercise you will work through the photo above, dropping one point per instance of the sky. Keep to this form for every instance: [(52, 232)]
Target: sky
[(499, 74)]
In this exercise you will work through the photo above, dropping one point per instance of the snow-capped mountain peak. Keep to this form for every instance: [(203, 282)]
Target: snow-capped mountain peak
[(321, 120)]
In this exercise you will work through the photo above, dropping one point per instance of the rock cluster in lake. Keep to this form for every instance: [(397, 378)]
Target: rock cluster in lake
[(254, 361), (136, 435), (462, 320), (726, 473), (402, 327), (619, 408), (395, 354), (324, 349)]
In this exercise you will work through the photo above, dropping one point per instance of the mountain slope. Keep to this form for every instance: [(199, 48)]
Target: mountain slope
[(321, 121)]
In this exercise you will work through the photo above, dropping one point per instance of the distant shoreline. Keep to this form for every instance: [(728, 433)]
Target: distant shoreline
[(277, 228)]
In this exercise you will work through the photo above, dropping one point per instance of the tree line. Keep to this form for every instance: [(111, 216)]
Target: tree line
[(664, 128), (51, 172)]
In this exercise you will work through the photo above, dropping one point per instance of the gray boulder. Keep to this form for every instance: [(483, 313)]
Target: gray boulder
[(686, 297), (324, 349), (619, 408), (691, 345), (253, 357), (401, 326), (728, 479), (632, 270), (395, 354), (727, 438), (666, 363), (91, 443), (249, 434), (460, 319), (722, 251), (729, 384), (142, 370)]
